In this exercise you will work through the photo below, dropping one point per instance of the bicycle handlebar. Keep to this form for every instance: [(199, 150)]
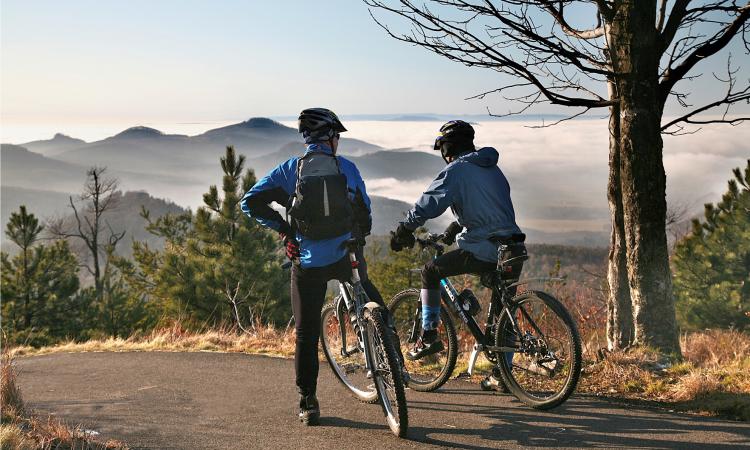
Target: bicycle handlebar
[(431, 240)]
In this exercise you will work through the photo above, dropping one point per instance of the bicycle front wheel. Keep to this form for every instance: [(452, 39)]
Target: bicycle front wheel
[(544, 370), (429, 373), (386, 372), (343, 349)]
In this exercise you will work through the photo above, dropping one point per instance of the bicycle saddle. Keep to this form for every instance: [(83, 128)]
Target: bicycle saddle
[(515, 238)]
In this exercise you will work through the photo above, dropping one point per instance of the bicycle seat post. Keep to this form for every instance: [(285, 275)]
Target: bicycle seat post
[(351, 245)]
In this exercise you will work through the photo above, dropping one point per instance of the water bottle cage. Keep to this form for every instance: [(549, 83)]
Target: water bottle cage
[(468, 302)]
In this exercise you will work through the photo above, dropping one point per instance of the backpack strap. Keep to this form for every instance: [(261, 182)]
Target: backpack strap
[(292, 196)]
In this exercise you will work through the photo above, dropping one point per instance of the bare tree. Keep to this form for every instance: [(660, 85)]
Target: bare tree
[(629, 59), (89, 225)]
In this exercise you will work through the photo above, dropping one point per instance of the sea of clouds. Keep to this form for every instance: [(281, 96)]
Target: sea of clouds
[(558, 175)]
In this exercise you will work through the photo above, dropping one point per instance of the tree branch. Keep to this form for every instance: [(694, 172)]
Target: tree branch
[(709, 48), (559, 17), (673, 23)]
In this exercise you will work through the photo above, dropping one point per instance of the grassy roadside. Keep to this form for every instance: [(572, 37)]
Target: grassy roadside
[(712, 379), (261, 339)]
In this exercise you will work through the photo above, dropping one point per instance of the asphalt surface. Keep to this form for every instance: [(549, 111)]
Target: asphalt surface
[(216, 400)]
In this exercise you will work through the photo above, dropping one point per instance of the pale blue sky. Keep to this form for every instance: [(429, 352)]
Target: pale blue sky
[(183, 60)]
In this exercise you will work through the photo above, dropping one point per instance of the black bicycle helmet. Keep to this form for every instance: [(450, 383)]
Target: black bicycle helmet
[(456, 137), (319, 120)]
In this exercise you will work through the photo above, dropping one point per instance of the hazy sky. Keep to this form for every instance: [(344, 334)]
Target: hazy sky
[(77, 61)]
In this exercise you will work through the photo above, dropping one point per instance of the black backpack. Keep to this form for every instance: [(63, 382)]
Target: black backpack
[(320, 206)]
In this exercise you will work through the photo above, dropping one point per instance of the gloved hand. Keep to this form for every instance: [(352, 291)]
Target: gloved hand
[(291, 246), (402, 237), (450, 233)]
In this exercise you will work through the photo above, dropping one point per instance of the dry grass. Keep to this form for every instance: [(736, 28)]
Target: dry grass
[(12, 437), (713, 378), (262, 339), (22, 430)]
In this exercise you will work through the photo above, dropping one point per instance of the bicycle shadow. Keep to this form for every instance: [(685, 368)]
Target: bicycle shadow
[(341, 422), (580, 423)]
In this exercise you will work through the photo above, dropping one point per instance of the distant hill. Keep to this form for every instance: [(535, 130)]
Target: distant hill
[(592, 239), (53, 147), (124, 217), (399, 164), (147, 150), (48, 204), (39, 202), (22, 168)]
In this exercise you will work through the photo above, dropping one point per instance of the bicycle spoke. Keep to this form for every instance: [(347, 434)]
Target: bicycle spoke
[(545, 369), (342, 349)]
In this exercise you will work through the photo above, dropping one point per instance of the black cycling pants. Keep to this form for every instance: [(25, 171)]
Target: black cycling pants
[(308, 295), (455, 262)]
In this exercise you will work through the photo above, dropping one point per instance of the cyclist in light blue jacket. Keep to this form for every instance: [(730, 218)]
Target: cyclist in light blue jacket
[(478, 194)]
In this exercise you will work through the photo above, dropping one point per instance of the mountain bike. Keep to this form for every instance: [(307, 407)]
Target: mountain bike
[(361, 350), (530, 337)]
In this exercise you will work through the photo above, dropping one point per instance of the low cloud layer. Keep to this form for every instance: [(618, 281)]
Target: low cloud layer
[(558, 175)]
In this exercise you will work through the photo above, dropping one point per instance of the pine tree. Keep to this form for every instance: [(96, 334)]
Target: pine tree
[(38, 285), (212, 257), (23, 230), (712, 264)]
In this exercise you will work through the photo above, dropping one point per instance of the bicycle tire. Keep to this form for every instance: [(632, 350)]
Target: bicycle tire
[(362, 388), (386, 369), (527, 369), (422, 379)]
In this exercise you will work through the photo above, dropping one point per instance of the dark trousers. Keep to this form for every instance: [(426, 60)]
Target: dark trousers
[(458, 262), (308, 295), (455, 262)]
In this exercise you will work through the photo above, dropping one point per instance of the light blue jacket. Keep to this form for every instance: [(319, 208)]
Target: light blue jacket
[(478, 193), (280, 183)]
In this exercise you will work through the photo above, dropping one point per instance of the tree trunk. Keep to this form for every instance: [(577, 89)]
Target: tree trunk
[(619, 310), (642, 176), (26, 289)]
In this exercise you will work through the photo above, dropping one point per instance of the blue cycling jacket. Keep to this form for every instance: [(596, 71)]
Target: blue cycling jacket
[(478, 193), (279, 184)]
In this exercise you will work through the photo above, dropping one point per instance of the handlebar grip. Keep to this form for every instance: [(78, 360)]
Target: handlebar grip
[(286, 265)]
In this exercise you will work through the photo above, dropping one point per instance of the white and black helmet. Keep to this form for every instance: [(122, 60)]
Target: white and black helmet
[(319, 121)]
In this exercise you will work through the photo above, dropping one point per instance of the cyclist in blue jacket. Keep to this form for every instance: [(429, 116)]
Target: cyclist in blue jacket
[(478, 193), (317, 245)]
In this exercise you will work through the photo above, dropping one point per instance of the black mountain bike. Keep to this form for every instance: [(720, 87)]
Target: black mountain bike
[(360, 349), (530, 337)]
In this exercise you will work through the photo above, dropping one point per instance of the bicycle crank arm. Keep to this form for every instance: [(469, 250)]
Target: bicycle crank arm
[(349, 352), (496, 349), (540, 369), (473, 358)]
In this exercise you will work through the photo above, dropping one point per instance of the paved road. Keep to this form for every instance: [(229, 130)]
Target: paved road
[(215, 400)]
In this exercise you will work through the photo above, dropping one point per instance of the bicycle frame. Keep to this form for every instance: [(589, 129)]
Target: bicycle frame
[(498, 300), (354, 298), (499, 304)]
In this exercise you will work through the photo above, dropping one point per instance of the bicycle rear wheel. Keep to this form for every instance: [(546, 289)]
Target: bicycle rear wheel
[(344, 353), (387, 373), (545, 368), (429, 373)]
